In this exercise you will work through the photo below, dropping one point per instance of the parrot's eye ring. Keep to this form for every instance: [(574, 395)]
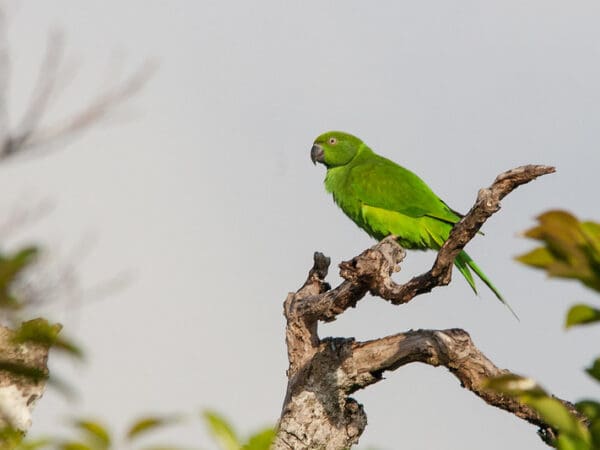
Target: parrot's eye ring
[(332, 140)]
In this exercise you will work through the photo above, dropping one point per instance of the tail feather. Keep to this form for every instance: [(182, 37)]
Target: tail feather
[(462, 266), (463, 262)]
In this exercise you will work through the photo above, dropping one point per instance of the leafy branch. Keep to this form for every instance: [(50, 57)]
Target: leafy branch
[(569, 249)]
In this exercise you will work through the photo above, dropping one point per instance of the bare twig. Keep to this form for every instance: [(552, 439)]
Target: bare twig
[(44, 89), (19, 216), (99, 108), (30, 135)]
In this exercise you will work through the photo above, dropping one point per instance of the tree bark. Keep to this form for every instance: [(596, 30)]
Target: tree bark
[(317, 411), (23, 376)]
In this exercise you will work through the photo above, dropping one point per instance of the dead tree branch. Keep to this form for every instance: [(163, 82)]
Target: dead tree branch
[(45, 85), (104, 104), (317, 410), (23, 376), (30, 134)]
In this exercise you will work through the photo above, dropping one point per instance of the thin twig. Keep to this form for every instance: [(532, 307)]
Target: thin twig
[(99, 108), (30, 136), (43, 91)]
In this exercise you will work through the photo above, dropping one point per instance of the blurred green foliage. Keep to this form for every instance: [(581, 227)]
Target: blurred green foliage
[(572, 433), (12, 267), (569, 248), (39, 332), (87, 434), (93, 435), (224, 434)]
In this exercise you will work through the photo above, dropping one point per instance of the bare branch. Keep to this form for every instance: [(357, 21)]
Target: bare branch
[(99, 108), (453, 349), (20, 216), (46, 82), (30, 135), (317, 412)]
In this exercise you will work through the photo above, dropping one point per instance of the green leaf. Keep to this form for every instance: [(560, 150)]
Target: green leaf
[(261, 440), (74, 445), (147, 424), (10, 438), (591, 230), (10, 269), (68, 346), (96, 432), (221, 431), (538, 257), (595, 432), (590, 408), (594, 370), (515, 385), (582, 314), (36, 444), (551, 410), (566, 442), (37, 331), (40, 331), (555, 414), (10, 266), (571, 249)]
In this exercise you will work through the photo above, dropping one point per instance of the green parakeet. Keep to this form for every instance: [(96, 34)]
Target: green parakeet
[(384, 198)]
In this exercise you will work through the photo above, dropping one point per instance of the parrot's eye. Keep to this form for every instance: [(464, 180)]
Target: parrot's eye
[(332, 140)]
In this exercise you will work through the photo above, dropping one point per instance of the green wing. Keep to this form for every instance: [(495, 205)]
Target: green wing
[(381, 183), (393, 200)]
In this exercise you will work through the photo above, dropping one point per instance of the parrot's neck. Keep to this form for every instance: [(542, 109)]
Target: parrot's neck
[(337, 183), (335, 179)]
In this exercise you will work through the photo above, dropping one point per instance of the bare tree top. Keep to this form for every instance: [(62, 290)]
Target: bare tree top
[(28, 134)]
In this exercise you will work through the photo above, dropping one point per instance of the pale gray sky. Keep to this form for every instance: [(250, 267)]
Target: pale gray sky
[(203, 188)]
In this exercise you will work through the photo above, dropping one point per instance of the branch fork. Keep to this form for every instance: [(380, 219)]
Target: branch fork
[(318, 412)]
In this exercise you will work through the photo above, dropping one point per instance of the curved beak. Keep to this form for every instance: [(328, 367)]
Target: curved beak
[(316, 154)]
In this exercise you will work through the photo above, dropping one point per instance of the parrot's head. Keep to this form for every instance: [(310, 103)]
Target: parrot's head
[(335, 148)]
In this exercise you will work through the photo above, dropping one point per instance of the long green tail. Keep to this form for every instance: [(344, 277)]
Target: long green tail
[(463, 262)]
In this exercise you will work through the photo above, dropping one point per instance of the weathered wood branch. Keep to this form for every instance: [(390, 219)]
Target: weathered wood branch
[(23, 376), (317, 410), (452, 349)]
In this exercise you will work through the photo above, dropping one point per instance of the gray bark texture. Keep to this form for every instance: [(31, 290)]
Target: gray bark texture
[(23, 376), (318, 412)]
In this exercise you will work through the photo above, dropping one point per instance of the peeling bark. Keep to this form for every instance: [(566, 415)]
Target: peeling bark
[(317, 411)]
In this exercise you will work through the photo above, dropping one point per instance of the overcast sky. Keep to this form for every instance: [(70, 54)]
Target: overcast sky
[(202, 190)]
